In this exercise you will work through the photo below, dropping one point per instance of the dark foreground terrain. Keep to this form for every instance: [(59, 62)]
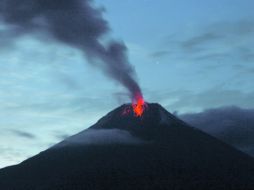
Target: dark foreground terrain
[(157, 151)]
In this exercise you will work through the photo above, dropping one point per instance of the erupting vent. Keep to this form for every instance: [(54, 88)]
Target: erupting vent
[(137, 107)]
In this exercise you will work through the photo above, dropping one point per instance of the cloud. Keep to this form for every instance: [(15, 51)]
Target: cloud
[(23, 134), (201, 39), (219, 41), (10, 156), (100, 136), (159, 54), (63, 136), (212, 56), (233, 125), (247, 54), (220, 33), (215, 97)]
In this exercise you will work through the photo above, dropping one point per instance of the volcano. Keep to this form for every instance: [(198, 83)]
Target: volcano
[(121, 151)]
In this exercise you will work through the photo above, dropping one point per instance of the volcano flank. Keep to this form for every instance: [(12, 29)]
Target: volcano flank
[(121, 151)]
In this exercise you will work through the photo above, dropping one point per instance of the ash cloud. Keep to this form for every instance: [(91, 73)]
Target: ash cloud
[(76, 23), (233, 125)]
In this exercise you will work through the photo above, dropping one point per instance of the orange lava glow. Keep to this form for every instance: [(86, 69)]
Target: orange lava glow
[(138, 106)]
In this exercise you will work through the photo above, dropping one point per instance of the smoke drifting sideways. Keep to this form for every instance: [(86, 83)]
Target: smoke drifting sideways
[(76, 23)]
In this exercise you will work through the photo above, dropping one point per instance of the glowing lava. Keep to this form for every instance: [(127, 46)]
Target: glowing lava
[(138, 105)]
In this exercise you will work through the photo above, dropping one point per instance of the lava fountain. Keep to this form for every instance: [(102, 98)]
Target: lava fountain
[(138, 105)]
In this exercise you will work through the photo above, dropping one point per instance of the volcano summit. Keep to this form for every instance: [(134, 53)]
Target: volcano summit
[(121, 151)]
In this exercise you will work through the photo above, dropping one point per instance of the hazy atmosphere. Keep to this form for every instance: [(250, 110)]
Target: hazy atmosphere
[(195, 58)]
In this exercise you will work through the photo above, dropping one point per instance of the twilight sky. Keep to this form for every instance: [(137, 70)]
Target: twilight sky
[(189, 55)]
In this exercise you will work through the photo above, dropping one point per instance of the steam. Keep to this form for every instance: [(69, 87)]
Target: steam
[(76, 23)]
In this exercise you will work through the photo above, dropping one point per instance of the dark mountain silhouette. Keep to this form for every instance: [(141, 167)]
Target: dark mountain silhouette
[(156, 151)]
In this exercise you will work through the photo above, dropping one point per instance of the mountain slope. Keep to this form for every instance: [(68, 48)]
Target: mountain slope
[(157, 151)]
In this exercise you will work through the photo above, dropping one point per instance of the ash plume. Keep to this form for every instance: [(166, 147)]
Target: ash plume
[(76, 23)]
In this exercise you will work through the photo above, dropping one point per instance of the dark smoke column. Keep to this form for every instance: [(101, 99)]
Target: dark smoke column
[(76, 23)]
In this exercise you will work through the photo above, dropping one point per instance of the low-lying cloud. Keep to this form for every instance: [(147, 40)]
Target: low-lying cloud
[(233, 125), (100, 136)]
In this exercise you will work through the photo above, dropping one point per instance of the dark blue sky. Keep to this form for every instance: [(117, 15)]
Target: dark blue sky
[(189, 55)]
